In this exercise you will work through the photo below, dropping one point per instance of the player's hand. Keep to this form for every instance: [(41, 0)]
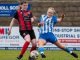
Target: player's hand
[(40, 24), (62, 15), (9, 32)]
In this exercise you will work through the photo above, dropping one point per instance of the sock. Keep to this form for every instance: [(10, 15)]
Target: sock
[(41, 50), (67, 50), (33, 48), (25, 46)]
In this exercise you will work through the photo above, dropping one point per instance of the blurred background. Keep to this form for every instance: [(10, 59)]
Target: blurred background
[(71, 9), (68, 31)]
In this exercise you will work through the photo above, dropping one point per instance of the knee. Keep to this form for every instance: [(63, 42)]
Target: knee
[(27, 38), (40, 43)]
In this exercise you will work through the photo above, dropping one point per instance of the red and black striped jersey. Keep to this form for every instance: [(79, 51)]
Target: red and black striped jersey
[(24, 19)]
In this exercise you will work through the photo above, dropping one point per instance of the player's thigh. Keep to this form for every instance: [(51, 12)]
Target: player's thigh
[(42, 39), (25, 35), (33, 37), (51, 38), (27, 38)]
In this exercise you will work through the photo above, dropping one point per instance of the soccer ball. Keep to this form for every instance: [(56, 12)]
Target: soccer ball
[(34, 53)]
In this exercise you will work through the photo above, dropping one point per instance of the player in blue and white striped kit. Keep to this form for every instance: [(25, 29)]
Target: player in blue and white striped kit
[(46, 24)]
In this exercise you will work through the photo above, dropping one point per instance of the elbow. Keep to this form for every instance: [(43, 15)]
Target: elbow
[(60, 21), (32, 19)]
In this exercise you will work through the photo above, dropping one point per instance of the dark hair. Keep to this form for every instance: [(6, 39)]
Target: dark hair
[(22, 2)]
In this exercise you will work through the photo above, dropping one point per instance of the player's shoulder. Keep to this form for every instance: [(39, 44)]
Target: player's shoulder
[(43, 15), (16, 12), (29, 11), (54, 16)]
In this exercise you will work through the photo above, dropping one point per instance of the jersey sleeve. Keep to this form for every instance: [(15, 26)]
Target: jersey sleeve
[(31, 15), (15, 15), (54, 19), (40, 19)]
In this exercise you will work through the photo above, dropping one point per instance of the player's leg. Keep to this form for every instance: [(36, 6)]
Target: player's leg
[(41, 44), (57, 43), (33, 42), (54, 40), (27, 39), (34, 45)]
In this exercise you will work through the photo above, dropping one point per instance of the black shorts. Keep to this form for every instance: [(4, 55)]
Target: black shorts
[(23, 33)]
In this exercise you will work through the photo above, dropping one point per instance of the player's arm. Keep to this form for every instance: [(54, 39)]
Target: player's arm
[(11, 24), (13, 21), (33, 19), (40, 22), (61, 18)]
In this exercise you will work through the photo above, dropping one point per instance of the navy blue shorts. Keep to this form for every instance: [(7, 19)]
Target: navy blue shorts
[(49, 37)]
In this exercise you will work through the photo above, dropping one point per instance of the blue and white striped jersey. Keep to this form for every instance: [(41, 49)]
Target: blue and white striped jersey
[(48, 23)]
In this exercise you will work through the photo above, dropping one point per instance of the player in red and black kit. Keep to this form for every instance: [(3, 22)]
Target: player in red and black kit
[(25, 19)]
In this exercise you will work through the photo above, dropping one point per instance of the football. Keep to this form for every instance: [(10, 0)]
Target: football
[(34, 53)]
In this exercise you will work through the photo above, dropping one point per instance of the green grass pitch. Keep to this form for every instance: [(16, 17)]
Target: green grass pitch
[(51, 55)]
